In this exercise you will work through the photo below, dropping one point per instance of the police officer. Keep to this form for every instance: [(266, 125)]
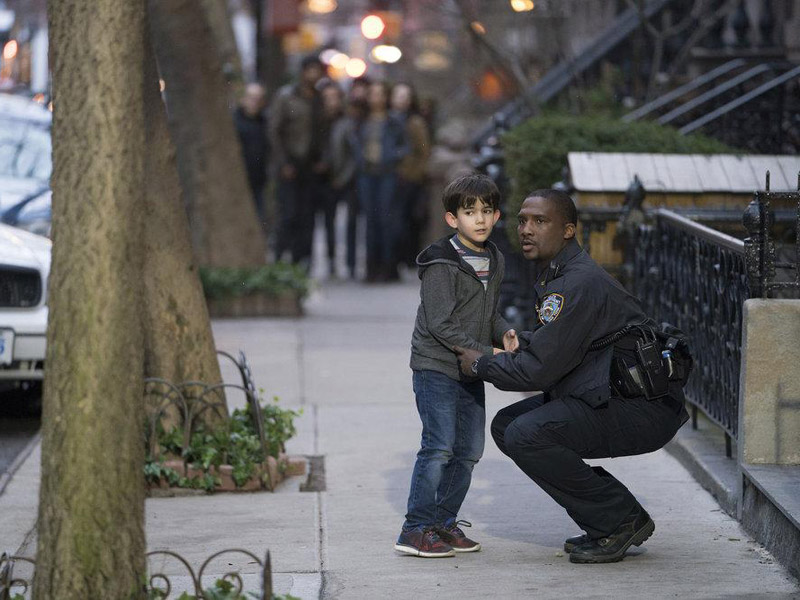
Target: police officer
[(586, 321)]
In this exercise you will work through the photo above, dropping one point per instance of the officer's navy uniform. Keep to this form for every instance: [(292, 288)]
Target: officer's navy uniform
[(577, 416)]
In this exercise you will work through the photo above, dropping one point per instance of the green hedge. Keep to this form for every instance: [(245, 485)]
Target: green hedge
[(275, 279), (536, 151)]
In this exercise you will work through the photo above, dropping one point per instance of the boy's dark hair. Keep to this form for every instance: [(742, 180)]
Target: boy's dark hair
[(464, 191), (561, 200)]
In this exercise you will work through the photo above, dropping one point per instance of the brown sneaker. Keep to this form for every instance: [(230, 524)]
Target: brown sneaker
[(453, 535), (424, 542)]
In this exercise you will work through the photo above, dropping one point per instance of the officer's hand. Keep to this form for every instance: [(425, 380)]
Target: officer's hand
[(465, 359), (510, 341)]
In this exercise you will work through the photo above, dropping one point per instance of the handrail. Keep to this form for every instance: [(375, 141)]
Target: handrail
[(707, 233), (712, 93), (679, 91), (726, 108)]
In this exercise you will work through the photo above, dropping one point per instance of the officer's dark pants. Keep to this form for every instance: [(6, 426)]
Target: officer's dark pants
[(547, 440)]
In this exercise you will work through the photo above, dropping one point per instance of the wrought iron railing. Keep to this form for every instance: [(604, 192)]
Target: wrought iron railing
[(696, 278), (160, 584), (761, 251)]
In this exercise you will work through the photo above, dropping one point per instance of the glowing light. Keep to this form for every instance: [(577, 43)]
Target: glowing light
[(10, 50), (372, 27), (478, 27), (522, 5), (355, 67), (326, 55), (339, 60), (321, 7), (162, 85), (387, 54)]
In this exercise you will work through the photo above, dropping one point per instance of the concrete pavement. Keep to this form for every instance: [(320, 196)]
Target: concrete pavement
[(346, 365)]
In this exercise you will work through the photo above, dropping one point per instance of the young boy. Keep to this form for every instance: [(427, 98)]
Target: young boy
[(461, 278)]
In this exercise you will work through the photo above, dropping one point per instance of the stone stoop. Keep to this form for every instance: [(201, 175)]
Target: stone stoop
[(770, 510)]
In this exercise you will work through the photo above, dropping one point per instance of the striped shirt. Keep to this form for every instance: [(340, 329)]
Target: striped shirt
[(479, 261)]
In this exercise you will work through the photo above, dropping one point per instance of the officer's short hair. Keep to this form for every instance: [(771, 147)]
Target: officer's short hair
[(561, 200), (464, 191)]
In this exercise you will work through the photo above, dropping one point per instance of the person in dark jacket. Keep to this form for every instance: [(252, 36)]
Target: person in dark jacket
[(294, 123), (380, 146), (583, 317), (251, 125), (461, 278)]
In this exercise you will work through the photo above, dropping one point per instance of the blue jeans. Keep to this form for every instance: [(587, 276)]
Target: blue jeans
[(453, 418), (376, 192)]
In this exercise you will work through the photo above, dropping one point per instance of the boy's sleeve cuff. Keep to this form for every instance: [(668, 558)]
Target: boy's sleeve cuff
[(483, 366)]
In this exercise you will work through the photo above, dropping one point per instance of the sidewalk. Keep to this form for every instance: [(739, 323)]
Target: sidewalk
[(346, 365)]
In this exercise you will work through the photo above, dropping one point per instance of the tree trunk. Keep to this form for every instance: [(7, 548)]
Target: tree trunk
[(220, 22), (179, 345), (222, 215), (91, 509)]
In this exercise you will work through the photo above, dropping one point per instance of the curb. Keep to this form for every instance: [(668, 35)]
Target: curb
[(6, 477)]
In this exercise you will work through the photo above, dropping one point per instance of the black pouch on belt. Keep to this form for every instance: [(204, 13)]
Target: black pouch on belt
[(654, 374)]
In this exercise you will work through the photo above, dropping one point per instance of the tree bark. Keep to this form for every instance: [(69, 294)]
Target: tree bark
[(222, 215), (220, 22), (179, 344), (91, 511)]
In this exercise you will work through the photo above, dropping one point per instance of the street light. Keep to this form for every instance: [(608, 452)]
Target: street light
[(355, 68), (10, 50), (386, 54), (321, 7), (372, 27), (478, 27), (522, 5), (339, 60)]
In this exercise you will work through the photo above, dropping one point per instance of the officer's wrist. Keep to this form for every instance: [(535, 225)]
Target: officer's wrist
[(482, 366)]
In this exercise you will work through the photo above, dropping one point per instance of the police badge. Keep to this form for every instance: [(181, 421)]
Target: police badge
[(550, 308)]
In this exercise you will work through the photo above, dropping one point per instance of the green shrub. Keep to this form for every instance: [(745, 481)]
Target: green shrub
[(536, 151), (235, 443), (276, 279)]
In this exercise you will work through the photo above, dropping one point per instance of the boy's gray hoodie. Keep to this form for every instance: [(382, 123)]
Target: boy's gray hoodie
[(455, 309)]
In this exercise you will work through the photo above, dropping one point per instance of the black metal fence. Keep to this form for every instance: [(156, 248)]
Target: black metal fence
[(696, 278)]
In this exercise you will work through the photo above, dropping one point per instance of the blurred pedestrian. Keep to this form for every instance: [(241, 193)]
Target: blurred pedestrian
[(251, 125), (358, 89), (412, 173), (325, 198), (295, 120), (381, 146), (344, 170)]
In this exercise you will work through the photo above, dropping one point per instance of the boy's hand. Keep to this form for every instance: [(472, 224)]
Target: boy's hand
[(510, 341), (465, 359), (497, 351)]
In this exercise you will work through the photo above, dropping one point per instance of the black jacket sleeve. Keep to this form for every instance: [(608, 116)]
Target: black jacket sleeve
[(549, 352)]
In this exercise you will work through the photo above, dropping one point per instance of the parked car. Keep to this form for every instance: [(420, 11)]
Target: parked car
[(33, 213), (25, 149), (24, 267)]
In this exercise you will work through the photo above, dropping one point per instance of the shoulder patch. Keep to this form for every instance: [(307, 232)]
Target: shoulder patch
[(550, 308)]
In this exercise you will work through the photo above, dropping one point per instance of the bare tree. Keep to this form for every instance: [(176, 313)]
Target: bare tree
[(91, 540)]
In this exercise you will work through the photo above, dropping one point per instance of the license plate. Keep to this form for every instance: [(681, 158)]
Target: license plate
[(6, 346)]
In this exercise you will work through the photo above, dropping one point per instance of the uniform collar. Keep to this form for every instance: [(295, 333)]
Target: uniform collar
[(567, 253)]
